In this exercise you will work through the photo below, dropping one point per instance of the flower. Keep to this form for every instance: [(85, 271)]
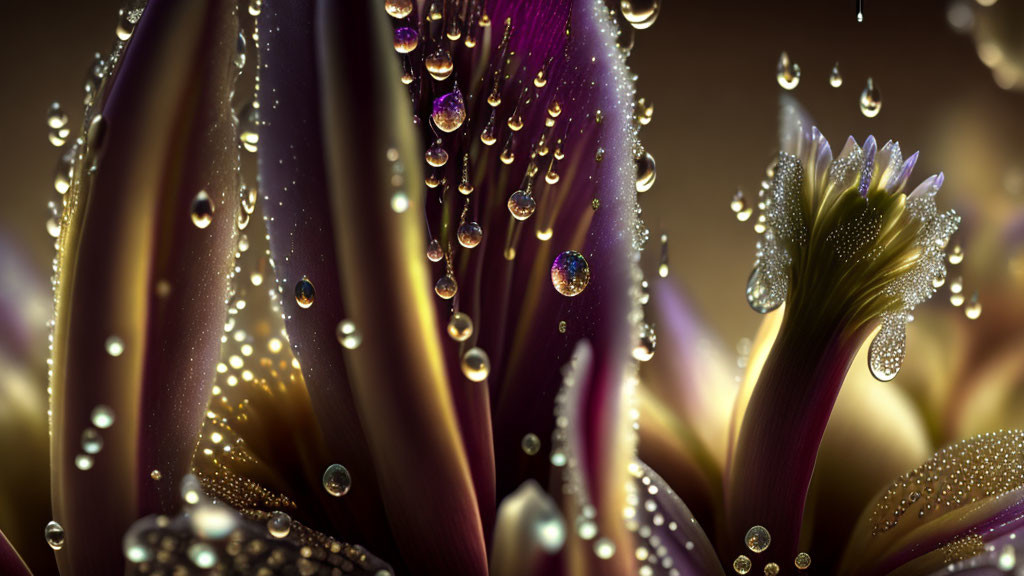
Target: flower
[(372, 396)]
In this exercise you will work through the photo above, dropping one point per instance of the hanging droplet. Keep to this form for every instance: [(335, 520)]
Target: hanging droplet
[(398, 8), (279, 524), (240, 52), (54, 534), (760, 295), (645, 172), (92, 442), (835, 79), (603, 547), (956, 255), (248, 126), (973, 308), (449, 111), (530, 444), (741, 564), (434, 252), (470, 234), (436, 155), (644, 112), (640, 14), (771, 569), (202, 555), (439, 65), (802, 561), (460, 327), (156, 474), (125, 25), (644, 349), (870, 100), (570, 273), (337, 480), (406, 39), (888, 348), (446, 287), (56, 118), (787, 72), (475, 364), (521, 205), (256, 6), (202, 210), (102, 417), (758, 539), (114, 346), (348, 335), (83, 462), (304, 293)]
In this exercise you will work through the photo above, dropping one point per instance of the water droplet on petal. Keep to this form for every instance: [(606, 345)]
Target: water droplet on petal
[(102, 417), (240, 52), (248, 126), (644, 349), (202, 210), (449, 111), (439, 64), (337, 480), (802, 561), (973, 308), (398, 8), (741, 564), (406, 39), (521, 205), (476, 365), (870, 100), (641, 14), (570, 273), (888, 348), (787, 72), (54, 534), (530, 444), (348, 334), (758, 539), (760, 295), (304, 293), (646, 172), (92, 442), (835, 79), (279, 524), (460, 327)]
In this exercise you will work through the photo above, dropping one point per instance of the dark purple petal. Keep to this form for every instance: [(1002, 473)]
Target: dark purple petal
[(10, 563)]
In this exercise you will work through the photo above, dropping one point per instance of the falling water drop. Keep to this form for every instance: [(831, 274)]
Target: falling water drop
[(530, 444), (434, 252), (888, 348), (470, 234), (641, 14), (398, 8), (570, 273), (102, 416), (348, 335), (460, 327), (956, 255), (436, 155), (741, 564), (304, 293), (337, 480), (92, 442), (870, 100), (646, 172), (54, 534), (406, 39), (758, 539), (973, 308), (802, 561), (446, 287), (279, 524), (787, 72), (521, 205), (449, 110), (835, 79), (202, 210), (760, 295), (476, 365)]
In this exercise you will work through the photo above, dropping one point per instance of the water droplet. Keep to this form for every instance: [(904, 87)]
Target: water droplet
[(802, 561), (644, 111), (54, 534), (256, 6), (56, 118), (787, 72), (760, 295), (92, 442), (102, 417), (888, 348), (337, 480), (83, 462), (202, 210), (645, 172), (530, 444), (114, 346), (835, 79), (125, 25), (956, 255), (279, 524), (135, 551), (156, 474), (570, 273), (190, 489), (644, 349), (475, 364), (460, 327), (436, 155), (248, 126), (585, 528), (562, 326), (202, 555), (603, 547), (304, 293), (240, 52), (348, 335), (1007, 558), (406, 39), (641, 14), (771, 569), (434, 252), (398, 8), (439, 65), (870, 100), (399, 202), (521, 205), (973, 308), (758, 539), (446, 287), (53, 226), (470, 234), (741, 564)]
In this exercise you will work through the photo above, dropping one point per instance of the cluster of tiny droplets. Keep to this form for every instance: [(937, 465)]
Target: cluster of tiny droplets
[(650, 506), (970, 554), (985, 466)]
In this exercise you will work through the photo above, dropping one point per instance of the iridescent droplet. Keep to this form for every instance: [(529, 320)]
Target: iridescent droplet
[(202, 210), (406, 39), (646, 172), (787, 72), (102, 416), (460, 327), (202, 555), (470, 234), (398, 8), (956, 255), (439, 64), (530, 444), (644, 349), (92, 442), (802, 561), (758, 539), (835, 79), (771, 569), (870, 100), (54, 534), (434, 252), (570, 273), (56, 118), (114, 346), (279, 524), (741, 564), (476, 365), (304, 293), (641, 14), (337, 480), (521, 205), (446, 287), (449, 110), (348, 335)]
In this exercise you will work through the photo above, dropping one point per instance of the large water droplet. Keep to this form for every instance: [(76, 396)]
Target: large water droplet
[(406, 39), (570, 273), (337, 480), (644, 349), (741, 564), (888, 348), (460, 327), (126, 24), (304, 293), (54, 534), (802, 561), (530, 444), (398, 8), (446, 287), (439, 65), (973, 308), (56, 118), (758, 539), (787, 72), (771, 569), (870, 100), (434, 251), (641, 14), (646, 172), (92, 442), (102, 416), (202, 210), (348, 334), (279, 524), (114, 346), (470, 234), (835, 79), (202, 555), (476, 365), (760, 295), (449, 111), (521, 205), (436, 155)]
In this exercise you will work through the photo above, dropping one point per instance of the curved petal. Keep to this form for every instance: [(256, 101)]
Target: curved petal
[(529, 534), (140, 294), (10, 563)]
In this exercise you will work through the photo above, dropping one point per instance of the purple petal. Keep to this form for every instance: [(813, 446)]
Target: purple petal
[(870, 149), (10, 562), (900, 182)]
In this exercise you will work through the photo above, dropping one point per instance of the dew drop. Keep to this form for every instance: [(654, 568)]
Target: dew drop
[(406, 39), (562, 326), (646, 172), (644, 349), (348, 335), (92, 442), (802, 561), (304, 293), (956, 255), (102, 416), (399, 202), (760, 295), (530, 444), (570, 273), (439, 65), (835, 79), (202, 555), (279, 524), (446, 287), (54, 534), (604, 548), (56, 118), (156, 474), (758, 539), (434, 252), (83, 462), (888, 348), (771, 569), (521, 205), (973, 308), (641, 14), (202, 210), (398, 8), (460, 327), (476, 365), (337, 480), (870, 100), (787, 72), (248, 126), (470, 234), (741, 564), (53, 227), (114, 346)]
